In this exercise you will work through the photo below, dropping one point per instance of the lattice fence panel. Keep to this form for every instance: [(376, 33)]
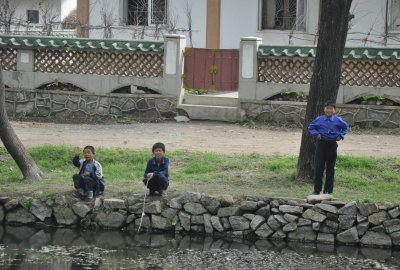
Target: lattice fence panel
[(371, 73), (99, 63), (354, 72), (282, 70), (8, 58)]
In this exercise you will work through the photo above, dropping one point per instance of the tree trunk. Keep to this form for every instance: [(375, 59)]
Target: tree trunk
[(12, 143), (325, 81)]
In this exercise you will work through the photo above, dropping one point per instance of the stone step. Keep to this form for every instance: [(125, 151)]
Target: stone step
[(217, 113), (210, 100)]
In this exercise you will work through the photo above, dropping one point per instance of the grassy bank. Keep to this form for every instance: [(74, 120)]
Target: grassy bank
[(357, 178)]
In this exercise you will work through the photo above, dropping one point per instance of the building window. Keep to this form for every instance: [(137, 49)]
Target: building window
[(32, 16), (394, 15), (283, 14), (146, 12)]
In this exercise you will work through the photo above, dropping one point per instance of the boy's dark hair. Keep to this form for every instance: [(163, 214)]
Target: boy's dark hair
[(91, 148), (330, 103), (158, 145)]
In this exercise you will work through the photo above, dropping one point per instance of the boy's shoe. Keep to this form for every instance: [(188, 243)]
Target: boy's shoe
[(162, 193), (78, 194), (87, 199), (89, 196), (151, 193)]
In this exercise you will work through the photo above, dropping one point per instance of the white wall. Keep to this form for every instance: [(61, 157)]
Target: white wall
[(199, 19), (23, 5), (369, 16), (241, 19), (177, 11)]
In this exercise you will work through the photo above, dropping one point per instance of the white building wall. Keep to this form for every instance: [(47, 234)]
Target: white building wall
[(199, 19), (241, 19), (177, 13), (23, 5), (369, 16)]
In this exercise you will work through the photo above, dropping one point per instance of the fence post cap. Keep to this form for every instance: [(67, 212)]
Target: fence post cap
[(176, 36), (251, 39)]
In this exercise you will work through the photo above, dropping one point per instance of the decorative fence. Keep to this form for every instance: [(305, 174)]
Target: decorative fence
[(98, 68), (78, 56), (8, 57), (94, 65), (99, 62), (361, 66)]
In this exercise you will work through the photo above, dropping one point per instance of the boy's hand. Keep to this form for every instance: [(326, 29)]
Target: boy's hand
[(338, 139), (319, 137), (86, 174), (77, 151), (149, 176)]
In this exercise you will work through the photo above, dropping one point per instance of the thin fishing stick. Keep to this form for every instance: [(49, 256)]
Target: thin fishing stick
[(144, 205)]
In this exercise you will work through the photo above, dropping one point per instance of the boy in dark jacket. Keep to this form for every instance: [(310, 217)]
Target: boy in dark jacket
[(156, 173), (327, 130), (90, 180)]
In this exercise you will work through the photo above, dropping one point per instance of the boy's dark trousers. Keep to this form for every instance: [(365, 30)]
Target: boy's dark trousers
[(84, 183), (325, 154), (157, 183)]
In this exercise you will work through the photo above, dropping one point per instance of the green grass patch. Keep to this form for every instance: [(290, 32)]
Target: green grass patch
[(357, 178)]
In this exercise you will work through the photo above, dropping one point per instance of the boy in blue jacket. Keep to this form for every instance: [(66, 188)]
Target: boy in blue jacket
[(89, 181), (327, 129), (156, 173)]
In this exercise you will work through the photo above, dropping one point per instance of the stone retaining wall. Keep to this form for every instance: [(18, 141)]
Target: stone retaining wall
[(78, 106), (293, 113), (352, 223)]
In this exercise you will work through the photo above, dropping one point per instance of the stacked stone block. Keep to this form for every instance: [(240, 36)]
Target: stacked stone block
[(348, 223)]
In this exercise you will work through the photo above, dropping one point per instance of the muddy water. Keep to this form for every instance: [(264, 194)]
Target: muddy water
[(30, 248)]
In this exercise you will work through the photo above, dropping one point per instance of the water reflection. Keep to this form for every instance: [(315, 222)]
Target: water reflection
[(63, 248)]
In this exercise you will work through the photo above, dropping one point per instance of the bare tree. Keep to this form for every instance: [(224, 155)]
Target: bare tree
[(70, 21), (138, 18), (14, 146), (188, 11), (107, 20), (49, 17), (7, 11), (172, 26), (325, 81)]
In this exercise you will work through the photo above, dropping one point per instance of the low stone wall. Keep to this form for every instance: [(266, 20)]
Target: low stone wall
[(78, 106), (331, 222), (293, 113)]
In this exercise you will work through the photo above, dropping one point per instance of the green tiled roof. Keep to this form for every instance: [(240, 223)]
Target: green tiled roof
[(30, 42), (349, 53)]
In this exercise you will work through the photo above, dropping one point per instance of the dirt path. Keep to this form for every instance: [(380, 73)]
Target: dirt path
[(198, 135)]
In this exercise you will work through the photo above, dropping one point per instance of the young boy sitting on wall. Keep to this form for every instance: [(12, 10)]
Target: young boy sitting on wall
[(156, 173), (327, 129), (89, 181)]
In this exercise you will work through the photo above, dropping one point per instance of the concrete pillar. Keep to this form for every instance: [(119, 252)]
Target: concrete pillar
[(340, 96), (174, 46), (248, 67)]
